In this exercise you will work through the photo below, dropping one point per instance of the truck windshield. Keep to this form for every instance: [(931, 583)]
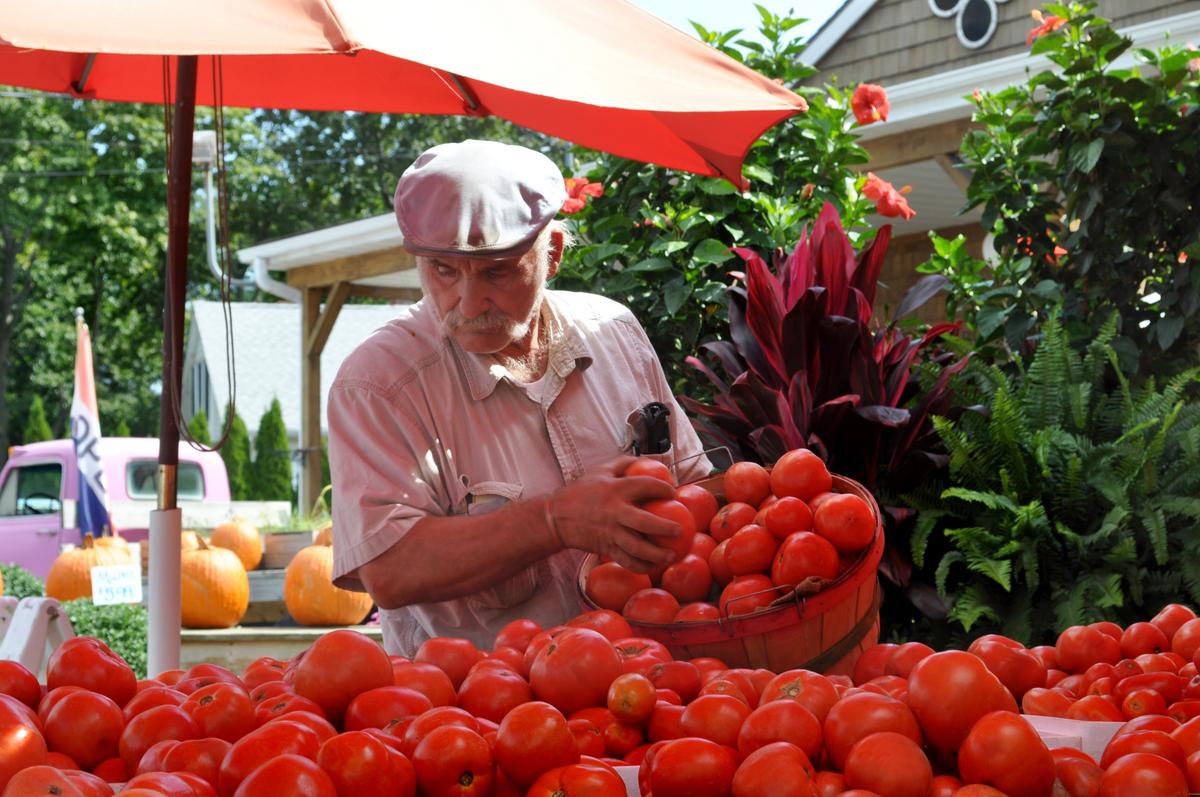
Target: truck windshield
[(32, 490), (141, 480)]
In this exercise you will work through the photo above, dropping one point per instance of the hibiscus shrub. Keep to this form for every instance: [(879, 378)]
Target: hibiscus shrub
[(1089, 174), (661, 242)]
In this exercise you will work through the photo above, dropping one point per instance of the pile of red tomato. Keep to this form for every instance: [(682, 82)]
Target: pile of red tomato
[(777, 529), (552, 713)]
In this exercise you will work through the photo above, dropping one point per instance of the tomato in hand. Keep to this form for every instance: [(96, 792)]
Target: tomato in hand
[(700, 502), (645, 466), (610, 585)]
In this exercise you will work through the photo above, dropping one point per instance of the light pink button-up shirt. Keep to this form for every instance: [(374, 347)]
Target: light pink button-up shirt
[(418, 427)]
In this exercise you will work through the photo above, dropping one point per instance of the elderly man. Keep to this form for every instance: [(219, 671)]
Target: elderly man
[(476, 442)]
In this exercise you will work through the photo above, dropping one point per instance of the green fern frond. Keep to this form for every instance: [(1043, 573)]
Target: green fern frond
[(943, 570), (1156, 529), (972, 605), (990, 500), (918, 541)]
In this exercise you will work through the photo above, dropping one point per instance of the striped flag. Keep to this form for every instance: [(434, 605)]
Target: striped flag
[(85, 431)]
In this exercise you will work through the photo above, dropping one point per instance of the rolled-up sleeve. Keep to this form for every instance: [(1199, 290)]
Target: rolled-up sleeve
[(385, 477)]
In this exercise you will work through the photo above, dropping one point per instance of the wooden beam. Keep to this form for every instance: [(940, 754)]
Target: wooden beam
[(952, 166), (315, 343), (346, 269), (385, 292), (916, 145), (310, 401)]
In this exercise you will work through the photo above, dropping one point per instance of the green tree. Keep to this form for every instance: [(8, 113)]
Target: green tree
[(236, 453), (271, 473), (198, 428), (36, 426), (122, 429)]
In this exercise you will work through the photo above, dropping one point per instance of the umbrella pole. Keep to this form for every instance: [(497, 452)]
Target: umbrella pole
[(166, 522)]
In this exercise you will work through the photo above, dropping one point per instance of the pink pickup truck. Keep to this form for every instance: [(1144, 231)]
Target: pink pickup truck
[(39, 486)]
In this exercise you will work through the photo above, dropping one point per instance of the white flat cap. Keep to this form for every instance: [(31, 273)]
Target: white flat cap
[(477, 199)]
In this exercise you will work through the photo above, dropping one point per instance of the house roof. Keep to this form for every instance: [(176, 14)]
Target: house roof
[(266, 338)]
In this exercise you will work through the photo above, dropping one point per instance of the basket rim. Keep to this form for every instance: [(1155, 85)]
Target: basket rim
[(773, 618)]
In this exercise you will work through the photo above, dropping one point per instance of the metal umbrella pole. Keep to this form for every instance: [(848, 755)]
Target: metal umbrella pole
[(166, 522)]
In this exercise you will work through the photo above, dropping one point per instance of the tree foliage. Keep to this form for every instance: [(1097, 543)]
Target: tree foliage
[(236, 453), (198, 428), (37, 428), (271, 472)]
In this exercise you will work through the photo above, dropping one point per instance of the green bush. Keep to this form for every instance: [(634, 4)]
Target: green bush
[(20, 583), (1072, 495), (236, 453), (123, 627), (271, 473), (198, 428), (37, 428)]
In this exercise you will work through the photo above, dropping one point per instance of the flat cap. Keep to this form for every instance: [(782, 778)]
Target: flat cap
[(477, 199)]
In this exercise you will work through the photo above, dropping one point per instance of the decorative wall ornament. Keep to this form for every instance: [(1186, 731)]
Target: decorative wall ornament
[(974, 20)]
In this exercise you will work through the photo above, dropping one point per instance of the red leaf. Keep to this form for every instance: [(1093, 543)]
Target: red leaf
[(764, 314), (870, 264)]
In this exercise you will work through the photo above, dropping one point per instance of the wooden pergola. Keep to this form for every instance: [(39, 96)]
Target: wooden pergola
[(323, 270)]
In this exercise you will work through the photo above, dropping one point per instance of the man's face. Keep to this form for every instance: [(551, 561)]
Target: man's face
[(486, 305)]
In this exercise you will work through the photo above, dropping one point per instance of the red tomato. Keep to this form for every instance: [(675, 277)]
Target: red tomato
[(200, 757), (1168, 684), (588, 736), (38, 779), (949, 691), (1145, 775), (167, 783), (357, 763), (691, 768), (256, 748), (86, 726), (750, 550), (533, 738), (283, 704), (746, 482), (638, 654), (759, 774), (680, 515), (1188, 735), (905, 657), (716, 564), (780, 721), (651, 606), (426, 679), (608, 623), (645, 466), (315, 723), (830, 784), (287, 775), (1156, 742), (221, 710), (1079, 777), (702, 545), (1046, 702), (747, 594), (452, 761), (857, 716), (944, 786), (715, 717), (698, 612), (339, 666), (872, 663), (21, 746), (1095, 708), (681, 677), (90, 785), (579, 780), (804, 555), (493, 694), (420, 726), (151, 697), (801, 474), (700, 502), (889, 763), (18, 681), (689, 579), (451, 655), (262, 670), (1143, 701), (1186, 639), (665, 722), (610, 585), (1017, 668), (1171, 617), (621, 739), (574, 671), (89, 663), (787, 516), (812, 690), (1003, 750), (1141, 638), (846, 521), (157, 724), (384, 707), (517, 634), (631, 698), (729, 519)]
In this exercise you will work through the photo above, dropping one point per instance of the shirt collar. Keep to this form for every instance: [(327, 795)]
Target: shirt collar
[(568, 350)]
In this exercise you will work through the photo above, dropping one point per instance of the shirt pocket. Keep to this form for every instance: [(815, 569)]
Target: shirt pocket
[(483, 498)]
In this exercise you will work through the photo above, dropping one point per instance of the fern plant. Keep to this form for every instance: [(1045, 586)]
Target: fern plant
[(1073, 495)]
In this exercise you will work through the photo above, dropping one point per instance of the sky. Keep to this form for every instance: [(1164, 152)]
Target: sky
[(728, 14)]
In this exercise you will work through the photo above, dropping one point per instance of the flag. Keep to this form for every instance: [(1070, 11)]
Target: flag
[(85, 431)]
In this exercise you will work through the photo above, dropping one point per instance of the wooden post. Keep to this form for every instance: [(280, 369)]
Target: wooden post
[(310, 401)]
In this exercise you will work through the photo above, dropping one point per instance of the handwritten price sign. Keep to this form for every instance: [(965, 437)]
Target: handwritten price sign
[(116, 584)]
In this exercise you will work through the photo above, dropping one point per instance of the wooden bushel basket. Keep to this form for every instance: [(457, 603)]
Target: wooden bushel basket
[(825, 632)]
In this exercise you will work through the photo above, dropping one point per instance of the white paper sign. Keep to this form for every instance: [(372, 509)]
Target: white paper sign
[(116, 584)]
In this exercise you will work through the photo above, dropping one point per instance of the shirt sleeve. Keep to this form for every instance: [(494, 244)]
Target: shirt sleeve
[(382, 482)]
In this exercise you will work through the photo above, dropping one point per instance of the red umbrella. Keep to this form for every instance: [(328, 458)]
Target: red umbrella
[(601, 73)]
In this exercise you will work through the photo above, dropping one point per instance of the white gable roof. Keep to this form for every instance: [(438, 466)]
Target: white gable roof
[(266, 345)]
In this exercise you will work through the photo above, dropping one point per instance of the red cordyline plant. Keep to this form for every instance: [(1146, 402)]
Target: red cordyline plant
[(808, 365)]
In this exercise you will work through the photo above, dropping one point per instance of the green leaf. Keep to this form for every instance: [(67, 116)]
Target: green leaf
[(990, 500), (758, 173), (675, 294), (715, 186), (1084, 158), (667, 247), (1167, 331), (650, 264), (710, 250), (990, 319)]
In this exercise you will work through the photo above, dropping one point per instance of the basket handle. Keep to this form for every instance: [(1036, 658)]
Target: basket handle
[(795, 596)]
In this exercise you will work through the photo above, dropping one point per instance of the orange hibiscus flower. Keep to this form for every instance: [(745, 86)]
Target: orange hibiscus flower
[(869, 103), (888, 200), (578, 191)]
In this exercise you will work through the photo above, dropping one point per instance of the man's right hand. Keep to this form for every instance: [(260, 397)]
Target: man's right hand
[(601, 514)]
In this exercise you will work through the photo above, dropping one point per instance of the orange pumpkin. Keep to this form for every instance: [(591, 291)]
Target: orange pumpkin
[(215, 591), (242, 538), (324, 536), (188, 541), (70, 575), (115, 543), (309, 593)]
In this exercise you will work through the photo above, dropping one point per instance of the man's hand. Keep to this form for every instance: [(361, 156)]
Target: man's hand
[(601, 514)]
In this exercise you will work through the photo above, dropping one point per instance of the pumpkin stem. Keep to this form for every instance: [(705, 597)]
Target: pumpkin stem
[(88, 540), (200, 541)]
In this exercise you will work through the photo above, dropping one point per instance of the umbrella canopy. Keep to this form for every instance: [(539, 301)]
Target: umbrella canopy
[(601, 73)]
